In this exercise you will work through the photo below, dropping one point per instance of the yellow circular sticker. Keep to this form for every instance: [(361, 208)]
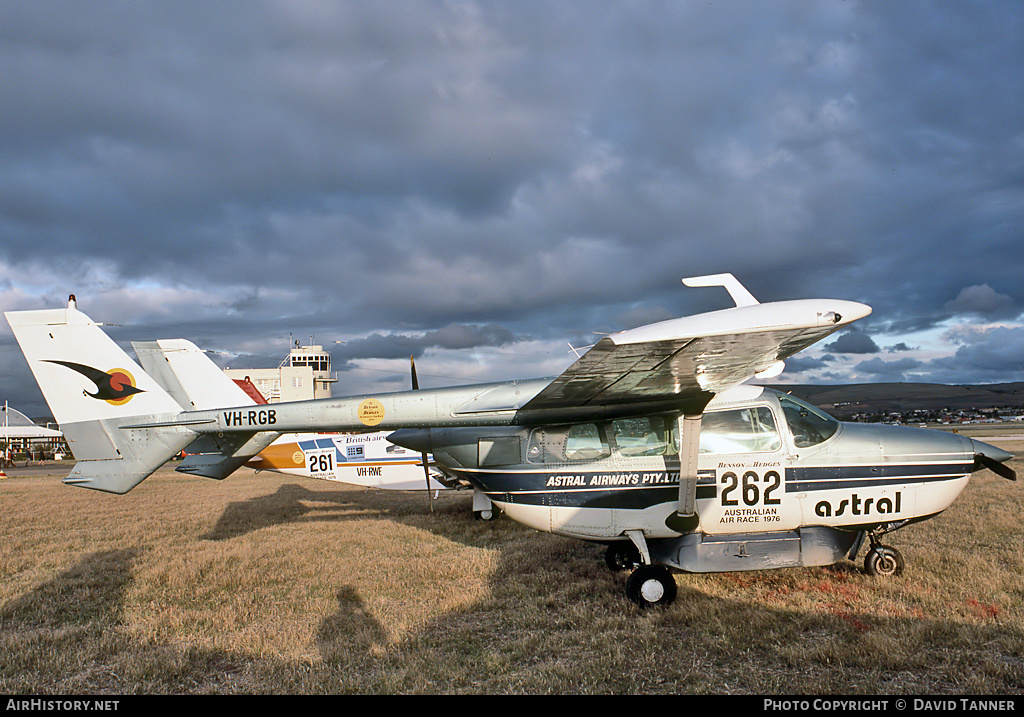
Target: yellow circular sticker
[(371, 412), (297, 458)]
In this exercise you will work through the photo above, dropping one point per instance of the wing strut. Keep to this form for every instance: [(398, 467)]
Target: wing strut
[(685, 519)]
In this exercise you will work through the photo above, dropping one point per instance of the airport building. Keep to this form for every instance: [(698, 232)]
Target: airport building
[(304, 374), (19, 436)]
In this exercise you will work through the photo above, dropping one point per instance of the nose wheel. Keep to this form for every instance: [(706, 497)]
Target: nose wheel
[(883, 560)]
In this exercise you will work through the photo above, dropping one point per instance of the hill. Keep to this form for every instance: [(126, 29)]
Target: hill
[(844, 401)]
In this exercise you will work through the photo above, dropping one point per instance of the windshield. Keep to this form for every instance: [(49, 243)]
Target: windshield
[(808, 425)]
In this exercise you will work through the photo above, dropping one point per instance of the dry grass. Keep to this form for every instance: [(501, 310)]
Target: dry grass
[(265, 584)]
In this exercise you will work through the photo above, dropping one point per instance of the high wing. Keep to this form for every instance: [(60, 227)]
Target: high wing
[(689, 359), (682, 363)]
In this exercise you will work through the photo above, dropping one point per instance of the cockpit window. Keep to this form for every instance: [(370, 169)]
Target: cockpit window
[(583, 442), (644, 436), (808, 425), (742, 430)]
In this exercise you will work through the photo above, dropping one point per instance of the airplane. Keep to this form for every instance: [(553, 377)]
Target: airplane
[(364, 459), (651, 442)]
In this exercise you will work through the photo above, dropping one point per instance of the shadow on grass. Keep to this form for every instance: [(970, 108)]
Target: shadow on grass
[(555, 621), (451, 517), (68, 637), (288, 504)]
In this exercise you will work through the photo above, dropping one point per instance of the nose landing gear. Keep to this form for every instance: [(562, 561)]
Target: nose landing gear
[(882, 560)]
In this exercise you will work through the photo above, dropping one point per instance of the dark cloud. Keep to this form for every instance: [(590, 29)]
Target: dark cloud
[(983, 301), (800, 364), (888, 371), (991, 356), (240, 171), (853, 342), (452, 337)]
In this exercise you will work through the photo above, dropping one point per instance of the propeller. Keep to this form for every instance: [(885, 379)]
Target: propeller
[(1000, 469), (423, 455), (993, 458)]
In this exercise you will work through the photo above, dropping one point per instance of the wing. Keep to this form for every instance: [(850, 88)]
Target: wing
[(691, 358)]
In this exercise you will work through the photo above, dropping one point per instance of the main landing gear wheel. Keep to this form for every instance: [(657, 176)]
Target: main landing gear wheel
[(621, 556), (484, 514), (651, 585), (883, 560)]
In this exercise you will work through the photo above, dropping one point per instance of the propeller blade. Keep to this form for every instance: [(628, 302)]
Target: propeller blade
[(993, 458), (423, 455), (1000, 469)]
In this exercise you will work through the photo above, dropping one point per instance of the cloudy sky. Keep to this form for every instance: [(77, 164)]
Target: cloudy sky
[(483, 183)]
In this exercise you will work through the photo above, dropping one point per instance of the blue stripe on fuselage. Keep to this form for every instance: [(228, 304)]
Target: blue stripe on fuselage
[(640, 489)]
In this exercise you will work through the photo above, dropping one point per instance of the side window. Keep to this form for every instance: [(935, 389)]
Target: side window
[(559, 444), (742, 430), (583, 442), (640, 437)]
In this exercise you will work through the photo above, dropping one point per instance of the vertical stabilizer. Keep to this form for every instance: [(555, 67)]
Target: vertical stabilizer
[(197, 383), (188, 374), (94, 389)]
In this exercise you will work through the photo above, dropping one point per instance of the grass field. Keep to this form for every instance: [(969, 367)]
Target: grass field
[(267, 584)]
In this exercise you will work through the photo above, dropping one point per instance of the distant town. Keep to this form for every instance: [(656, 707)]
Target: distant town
[(916, 403), (918, 416)]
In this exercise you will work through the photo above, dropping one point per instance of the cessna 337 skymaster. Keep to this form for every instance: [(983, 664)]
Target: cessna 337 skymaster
[(610, 451)]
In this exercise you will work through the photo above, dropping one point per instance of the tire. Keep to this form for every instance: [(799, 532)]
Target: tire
[(650, 586), (621, 556), (884, 561)]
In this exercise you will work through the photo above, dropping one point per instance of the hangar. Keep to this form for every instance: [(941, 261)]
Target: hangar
[(23, 437)]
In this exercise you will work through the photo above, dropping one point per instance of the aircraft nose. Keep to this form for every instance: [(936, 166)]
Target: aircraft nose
[(416, 439), (993, 458)]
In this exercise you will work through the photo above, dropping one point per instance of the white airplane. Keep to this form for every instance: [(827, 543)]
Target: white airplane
[(645, 443), (365, 459)]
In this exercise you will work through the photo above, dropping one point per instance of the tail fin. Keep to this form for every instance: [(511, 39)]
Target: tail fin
[(189, 375), (96, 392), (197, 383)]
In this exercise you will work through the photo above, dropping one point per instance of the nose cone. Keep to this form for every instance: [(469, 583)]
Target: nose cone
[(415, 439), (990, 451)]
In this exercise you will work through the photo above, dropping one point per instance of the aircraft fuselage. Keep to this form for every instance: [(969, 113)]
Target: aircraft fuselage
[(772, 473)]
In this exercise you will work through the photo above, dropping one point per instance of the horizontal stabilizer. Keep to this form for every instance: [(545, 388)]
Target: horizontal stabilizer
[(217, 457), (138, 460), (196, 382)]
